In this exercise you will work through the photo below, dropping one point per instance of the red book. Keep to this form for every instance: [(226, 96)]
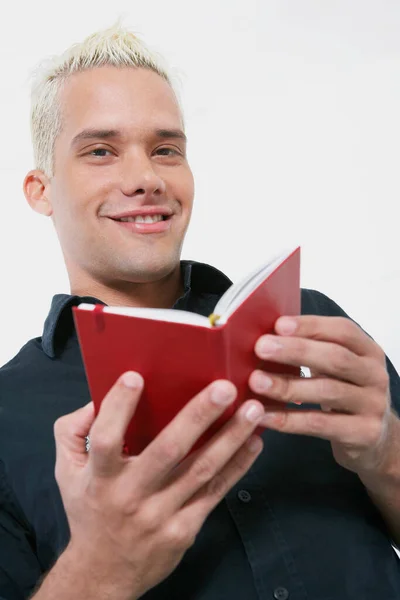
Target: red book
[(179, 353)]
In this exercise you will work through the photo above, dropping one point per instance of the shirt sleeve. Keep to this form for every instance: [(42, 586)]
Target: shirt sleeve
[(315, 303), (20, 570)]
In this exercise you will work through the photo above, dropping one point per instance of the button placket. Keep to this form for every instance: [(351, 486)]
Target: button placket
[(244, 496), (281, 593)]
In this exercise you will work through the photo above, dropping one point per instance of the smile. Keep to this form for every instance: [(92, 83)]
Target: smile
[(143, 219), (144, 224)]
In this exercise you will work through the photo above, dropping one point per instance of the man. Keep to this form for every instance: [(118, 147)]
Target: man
[(279, 516)]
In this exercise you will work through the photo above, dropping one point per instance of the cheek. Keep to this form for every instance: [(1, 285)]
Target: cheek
[(78, 192), (185, 191), (72, 208)]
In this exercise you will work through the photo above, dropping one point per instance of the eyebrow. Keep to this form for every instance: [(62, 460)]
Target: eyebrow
[(104, 134)]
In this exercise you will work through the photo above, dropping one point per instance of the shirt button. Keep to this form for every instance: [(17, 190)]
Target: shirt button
[(281, 593), (244, 496)]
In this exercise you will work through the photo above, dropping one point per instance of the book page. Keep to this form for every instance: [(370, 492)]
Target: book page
[(235, 295), (157, 314)]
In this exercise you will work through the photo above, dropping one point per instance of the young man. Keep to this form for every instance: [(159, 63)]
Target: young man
[(313, 517)]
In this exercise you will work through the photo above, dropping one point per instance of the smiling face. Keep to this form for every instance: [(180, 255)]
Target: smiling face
[(121, 154)]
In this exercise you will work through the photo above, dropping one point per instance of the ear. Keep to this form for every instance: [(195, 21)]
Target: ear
[(37, 190)]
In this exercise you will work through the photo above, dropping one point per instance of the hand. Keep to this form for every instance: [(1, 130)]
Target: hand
[(349, 381), (133, 517)]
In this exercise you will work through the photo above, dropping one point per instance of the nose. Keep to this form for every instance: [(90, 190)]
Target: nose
[(140, 178)]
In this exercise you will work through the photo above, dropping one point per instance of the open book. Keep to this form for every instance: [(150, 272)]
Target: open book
[(179, 352)]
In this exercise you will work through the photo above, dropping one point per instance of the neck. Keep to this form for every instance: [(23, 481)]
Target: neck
[(155, 294)]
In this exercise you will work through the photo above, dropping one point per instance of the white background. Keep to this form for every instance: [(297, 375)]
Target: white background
[(292, 112)]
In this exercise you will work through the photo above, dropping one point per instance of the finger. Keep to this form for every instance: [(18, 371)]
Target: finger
[(108, 431), (193, 514), (176, 439), (329, 393), (70, 431), (198, 469), (351, 430), (325, 357), (338, 330)]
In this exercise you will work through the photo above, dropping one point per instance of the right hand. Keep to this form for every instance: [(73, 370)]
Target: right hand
[(133, 517)]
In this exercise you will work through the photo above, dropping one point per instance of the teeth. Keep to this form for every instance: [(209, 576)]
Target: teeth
[(142, 219)]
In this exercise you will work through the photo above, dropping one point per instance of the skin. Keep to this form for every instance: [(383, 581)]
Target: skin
[(133, 518), (349, 382), (101, 177)]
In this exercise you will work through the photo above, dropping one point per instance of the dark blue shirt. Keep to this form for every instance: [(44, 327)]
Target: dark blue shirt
[(297, 526)]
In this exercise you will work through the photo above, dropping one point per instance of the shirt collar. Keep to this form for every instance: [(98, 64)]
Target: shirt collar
[(198, 278)]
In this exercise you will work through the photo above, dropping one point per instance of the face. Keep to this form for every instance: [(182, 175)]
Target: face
[(122, 191)]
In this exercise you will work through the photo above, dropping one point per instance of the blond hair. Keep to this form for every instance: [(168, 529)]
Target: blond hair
[(116, 46)]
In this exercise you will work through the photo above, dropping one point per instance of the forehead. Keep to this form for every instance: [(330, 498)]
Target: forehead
[(117, 97)]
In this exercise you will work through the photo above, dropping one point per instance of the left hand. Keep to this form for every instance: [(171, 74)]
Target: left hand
[(351, 384)]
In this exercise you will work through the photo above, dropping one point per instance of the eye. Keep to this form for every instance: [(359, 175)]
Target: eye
[(98, 152), (168, 151)]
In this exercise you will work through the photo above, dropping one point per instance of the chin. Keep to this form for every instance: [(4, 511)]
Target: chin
[(146, 271)]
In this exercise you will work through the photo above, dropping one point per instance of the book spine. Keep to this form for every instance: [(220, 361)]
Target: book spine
[(218, 365), (227, 365), (217, 350)]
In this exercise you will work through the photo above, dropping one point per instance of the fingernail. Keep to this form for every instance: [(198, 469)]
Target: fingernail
[(254, 412), (223, 393), (261, 382), (268, 347), (254, 443), (131, 379), (286, 325)]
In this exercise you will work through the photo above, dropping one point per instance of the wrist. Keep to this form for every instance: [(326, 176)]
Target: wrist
[(384, 475), (92, 578)]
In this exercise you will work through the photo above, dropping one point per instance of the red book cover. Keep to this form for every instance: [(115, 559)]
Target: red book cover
[(177, 360)]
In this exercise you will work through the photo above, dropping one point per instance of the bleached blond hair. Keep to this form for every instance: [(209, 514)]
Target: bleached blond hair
[(116, 46)]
